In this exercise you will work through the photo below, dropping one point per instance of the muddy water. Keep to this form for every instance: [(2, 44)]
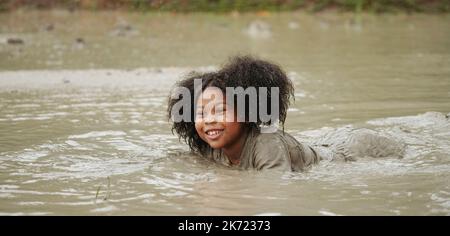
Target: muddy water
[(83, 127)]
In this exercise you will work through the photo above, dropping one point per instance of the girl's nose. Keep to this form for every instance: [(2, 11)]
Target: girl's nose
[(209, 118)]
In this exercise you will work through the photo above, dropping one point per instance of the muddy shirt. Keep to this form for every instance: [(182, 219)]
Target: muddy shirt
[(277, 150)]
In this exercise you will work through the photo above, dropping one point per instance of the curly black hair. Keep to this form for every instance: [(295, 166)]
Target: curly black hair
[(240, 71)]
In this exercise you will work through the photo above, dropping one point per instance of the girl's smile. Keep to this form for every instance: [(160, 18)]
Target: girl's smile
[(214, 133)]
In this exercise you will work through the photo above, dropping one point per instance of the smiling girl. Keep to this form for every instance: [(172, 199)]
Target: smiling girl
[(216, 130)]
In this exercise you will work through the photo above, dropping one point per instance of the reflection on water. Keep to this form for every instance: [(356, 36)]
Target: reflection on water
[(96, 141)]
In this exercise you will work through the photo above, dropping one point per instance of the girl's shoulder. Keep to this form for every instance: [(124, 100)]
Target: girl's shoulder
[(275, 138), (280, 149)]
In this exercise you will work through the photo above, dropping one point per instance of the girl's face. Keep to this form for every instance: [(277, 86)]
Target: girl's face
[(215, 122)]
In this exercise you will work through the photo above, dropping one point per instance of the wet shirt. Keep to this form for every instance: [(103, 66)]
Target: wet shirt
[(277, 150)]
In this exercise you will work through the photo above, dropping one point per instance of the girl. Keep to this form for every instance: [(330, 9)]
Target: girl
[(213, 127), (214, 130)]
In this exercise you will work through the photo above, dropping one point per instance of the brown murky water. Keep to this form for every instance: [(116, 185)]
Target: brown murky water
[(83, 99)]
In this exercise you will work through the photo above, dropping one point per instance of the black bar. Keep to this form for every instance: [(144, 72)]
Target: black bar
[(229, 225)]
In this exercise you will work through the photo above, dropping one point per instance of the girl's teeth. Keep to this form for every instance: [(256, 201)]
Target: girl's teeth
[(212, 132)]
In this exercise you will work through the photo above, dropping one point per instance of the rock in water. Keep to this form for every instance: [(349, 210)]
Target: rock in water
[(80, 40), (124, 29), (15, 41), (79, 43)]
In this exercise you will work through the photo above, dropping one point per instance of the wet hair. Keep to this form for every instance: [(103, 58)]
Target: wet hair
[(240, 71)]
